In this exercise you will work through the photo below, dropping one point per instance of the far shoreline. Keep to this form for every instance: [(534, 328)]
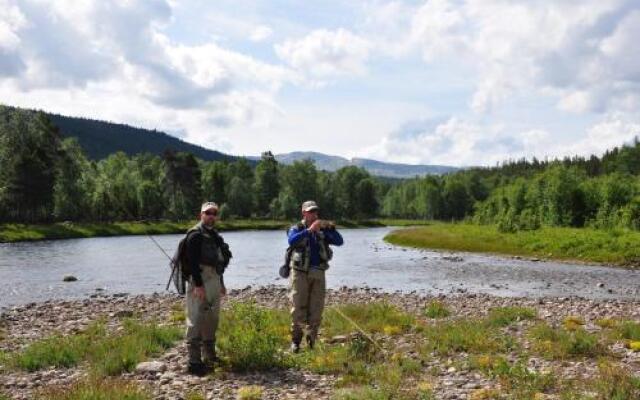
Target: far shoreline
[(18, 232)]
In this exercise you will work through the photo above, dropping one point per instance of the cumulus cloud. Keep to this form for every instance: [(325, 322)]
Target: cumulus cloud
[(581, 52), (260, 33), (117, 54), (454, 141), (325, 53)]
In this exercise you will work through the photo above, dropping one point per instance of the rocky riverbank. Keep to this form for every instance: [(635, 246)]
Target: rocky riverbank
[(453, 375)]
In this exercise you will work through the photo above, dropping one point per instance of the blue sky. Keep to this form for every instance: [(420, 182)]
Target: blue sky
[(438, 82)]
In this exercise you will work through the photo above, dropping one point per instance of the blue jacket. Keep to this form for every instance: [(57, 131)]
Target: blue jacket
[(331, 236)]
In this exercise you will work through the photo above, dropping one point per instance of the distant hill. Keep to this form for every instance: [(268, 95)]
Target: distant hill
[(98, 139), (378, 168)]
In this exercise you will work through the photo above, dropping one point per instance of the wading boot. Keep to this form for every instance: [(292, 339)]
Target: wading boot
[(195, 366), (209, 356)]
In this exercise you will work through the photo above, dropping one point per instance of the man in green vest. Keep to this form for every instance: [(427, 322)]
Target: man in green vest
[(208, 257), (310, 240)]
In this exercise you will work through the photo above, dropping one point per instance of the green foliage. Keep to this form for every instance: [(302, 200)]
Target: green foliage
[(588, 244), (628, 330), (121, 353), (614, 383), (250, 337), (95, 389), (558, 344), (436, 309), (503, 316), (266, 185), (518, 380), (470, 336), (377, 317), (250, 393), (107, 354)]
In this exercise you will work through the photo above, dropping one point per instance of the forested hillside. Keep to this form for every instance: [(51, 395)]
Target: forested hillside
[(99, 139), (45, 177)]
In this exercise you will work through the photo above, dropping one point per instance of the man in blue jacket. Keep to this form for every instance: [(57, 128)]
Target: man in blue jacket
[(310, 258)]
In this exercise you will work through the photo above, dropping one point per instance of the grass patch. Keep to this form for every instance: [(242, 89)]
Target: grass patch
[(614, 383), (252, 392), (377, 317), (468, 335), (503, 316), (620, 247), (67, 230), (436, 309), (559, 344), (252, 337), (194, 395), (124, 351), (96, 389), (107, 354), (521, 383), (627, 331), (606, 323)]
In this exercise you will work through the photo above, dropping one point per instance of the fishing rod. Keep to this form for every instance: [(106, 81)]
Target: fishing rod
[(359, 328), (173, 264)]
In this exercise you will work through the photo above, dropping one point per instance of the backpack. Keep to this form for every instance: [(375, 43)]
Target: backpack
[(180, 267), (285, 269)]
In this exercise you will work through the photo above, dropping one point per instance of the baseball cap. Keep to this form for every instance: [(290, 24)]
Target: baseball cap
[(208, 206), (309, 206)]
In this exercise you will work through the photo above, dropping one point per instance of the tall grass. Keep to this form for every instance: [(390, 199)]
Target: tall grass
[(107, 354), (586, 244), (559, 344), (95, 389)]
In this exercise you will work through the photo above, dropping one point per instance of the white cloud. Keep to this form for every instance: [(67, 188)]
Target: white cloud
[(114, 60), (454, 141), (260, 33), (325, 53), (613, 130), (583, 53)]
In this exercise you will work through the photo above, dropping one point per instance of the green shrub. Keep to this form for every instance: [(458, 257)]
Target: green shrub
[(251, 337), (436, 309)]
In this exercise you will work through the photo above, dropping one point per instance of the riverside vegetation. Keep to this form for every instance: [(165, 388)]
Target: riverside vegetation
[(614, 246), (50, 189), (404, 347)]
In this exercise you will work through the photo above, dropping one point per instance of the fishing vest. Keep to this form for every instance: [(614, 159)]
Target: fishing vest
[(210, 253), (301, 255)]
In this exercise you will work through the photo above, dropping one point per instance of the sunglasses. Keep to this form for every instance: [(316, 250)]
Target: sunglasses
[(214, 213)]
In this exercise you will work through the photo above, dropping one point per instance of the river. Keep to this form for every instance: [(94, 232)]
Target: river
[(33, 271)]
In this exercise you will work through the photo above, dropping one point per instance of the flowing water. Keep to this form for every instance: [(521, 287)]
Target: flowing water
[(33, 271)]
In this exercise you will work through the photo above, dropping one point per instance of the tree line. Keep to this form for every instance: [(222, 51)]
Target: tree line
[(45, 178), (599, 192)]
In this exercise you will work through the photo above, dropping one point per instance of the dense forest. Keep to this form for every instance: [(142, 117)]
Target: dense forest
[(45, 177), (99, 139)]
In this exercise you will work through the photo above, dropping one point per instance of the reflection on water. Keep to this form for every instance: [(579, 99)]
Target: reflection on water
[(33, 271)]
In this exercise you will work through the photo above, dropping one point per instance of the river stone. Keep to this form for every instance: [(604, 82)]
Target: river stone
[(123, 314), (151, 367), (69, 278)]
